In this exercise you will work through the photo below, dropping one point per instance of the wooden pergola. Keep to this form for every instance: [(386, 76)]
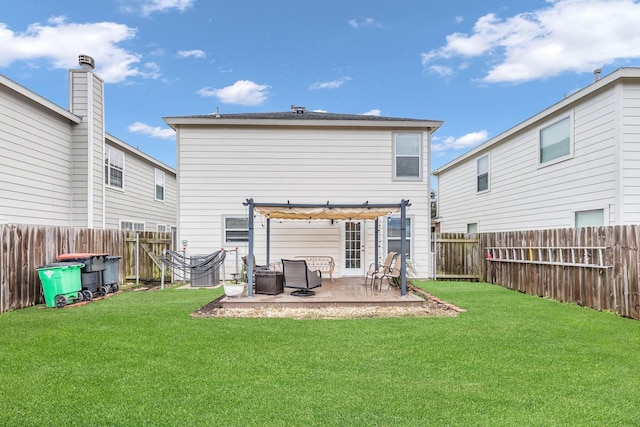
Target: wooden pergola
[(327, 211)]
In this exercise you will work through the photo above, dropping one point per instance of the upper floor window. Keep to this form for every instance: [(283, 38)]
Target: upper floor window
[(236, 229), (159, 184), (555, 141), (407, 153), (482, 174), (113, 167), (394, 235)]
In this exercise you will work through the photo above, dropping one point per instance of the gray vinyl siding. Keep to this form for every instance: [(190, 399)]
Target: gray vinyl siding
[(80, 83), (526, 195), (220, 169), (136, 201), (97, 140), (52, 162), (35, 157), (630, 165)]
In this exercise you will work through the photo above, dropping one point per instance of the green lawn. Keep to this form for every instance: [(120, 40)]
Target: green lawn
[(138, 359)]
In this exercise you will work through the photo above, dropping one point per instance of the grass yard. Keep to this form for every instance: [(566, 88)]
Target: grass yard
[(138, 359)]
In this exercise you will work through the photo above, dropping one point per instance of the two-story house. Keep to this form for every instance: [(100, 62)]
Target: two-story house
[(60, 167), (575, 164), (300, 157)]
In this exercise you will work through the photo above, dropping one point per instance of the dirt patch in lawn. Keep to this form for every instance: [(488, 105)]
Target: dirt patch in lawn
[(432, 307)]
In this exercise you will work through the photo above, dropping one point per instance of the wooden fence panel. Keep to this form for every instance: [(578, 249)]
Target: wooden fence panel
[(24, 248), (143, 255), (597, 267), (456, 256)]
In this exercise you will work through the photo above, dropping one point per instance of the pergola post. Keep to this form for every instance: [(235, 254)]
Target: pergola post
[(268, 240), (250, 255), (403, 247), (377, 240)]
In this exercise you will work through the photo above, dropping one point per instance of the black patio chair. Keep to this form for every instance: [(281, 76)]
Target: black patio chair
[(296, 274)]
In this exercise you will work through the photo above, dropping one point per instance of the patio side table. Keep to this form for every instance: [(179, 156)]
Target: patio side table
[(269, 282)]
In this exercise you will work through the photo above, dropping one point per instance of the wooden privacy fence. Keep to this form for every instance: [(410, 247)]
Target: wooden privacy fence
[(456, 256), (24, 248), (597, 267)]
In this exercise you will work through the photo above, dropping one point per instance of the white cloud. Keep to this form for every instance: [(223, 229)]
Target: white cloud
[(196, 53), (153, 131), (441, 70), (150, 6), (567, 35), (366, 22), (242, 92), (329, 85), (466, 141), (374, 112), (60, 42)]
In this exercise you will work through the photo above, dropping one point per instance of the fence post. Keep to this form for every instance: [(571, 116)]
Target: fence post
[(137, 259)]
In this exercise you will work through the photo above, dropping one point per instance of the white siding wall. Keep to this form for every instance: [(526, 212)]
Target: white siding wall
[(630, 164), (220, 169), (136, 202), (79, 93), (35, 159), (524, 195)]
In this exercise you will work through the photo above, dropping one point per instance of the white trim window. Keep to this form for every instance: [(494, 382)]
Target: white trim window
[(113, 167), (394, 235), (555, 141), (407, 156), (590, 218), (236, 229), (162, 228), (159, 185), (131, 226), (472, 227), (482, 174)]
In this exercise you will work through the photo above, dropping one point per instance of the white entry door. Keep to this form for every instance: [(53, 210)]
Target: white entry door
[(353, 248)]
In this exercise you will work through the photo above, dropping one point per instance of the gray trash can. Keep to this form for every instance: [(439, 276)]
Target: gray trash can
[(111, 272)]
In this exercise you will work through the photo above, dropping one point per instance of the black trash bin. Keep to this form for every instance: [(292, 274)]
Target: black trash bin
[(90, 274), (111, 272)]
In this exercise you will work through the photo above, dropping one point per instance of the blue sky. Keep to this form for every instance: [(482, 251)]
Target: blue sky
[(480, 66)]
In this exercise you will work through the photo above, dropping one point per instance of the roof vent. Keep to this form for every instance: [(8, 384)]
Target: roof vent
[(596, 74), (86, 62), (298, 109)]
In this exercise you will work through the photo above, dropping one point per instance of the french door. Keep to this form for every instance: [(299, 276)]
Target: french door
[(353, 248)]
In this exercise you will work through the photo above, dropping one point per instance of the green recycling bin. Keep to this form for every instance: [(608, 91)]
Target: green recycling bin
[(61, 283)]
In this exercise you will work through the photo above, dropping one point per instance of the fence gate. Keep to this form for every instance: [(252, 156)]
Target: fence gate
[(456, 256)]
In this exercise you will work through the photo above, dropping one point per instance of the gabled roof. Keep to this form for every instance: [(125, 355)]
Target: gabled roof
[(135, 151), (34, 97), (304, 118), (568, 102)]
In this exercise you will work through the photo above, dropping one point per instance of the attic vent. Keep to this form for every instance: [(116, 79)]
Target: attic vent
[(86, 62), (298, 109)]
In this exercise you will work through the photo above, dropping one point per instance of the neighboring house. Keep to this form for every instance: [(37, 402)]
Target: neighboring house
[(575, 164), (61, 168), (302, 157)]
